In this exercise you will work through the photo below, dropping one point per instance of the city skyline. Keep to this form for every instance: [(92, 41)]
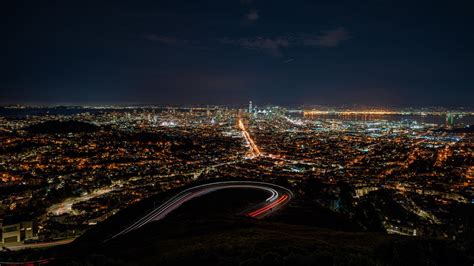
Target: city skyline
[(101, 176)]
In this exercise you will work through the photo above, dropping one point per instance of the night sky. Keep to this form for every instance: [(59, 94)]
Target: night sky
[(375, 52)]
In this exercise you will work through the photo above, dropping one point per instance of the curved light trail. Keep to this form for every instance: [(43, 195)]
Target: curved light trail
[(278, 197)]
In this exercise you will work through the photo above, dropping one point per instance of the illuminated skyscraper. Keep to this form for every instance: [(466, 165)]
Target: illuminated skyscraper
[(250, 107), (449, 119)]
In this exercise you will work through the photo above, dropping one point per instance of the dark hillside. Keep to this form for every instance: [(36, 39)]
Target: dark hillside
[(62, 127)]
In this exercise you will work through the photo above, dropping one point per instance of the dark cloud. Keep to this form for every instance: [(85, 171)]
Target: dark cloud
[(271, 46), (329, 38), (274, 45), (252, 15)]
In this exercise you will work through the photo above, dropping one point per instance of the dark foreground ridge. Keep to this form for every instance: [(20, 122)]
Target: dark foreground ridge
[(207, 231)]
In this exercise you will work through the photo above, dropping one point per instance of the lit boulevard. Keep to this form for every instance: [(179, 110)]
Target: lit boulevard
[(254, 150)]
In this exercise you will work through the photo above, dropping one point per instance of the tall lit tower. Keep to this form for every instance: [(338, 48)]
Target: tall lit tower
[(449, 119), (250, 107)]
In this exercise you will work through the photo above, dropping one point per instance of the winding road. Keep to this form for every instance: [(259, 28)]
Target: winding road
[(278, 197)]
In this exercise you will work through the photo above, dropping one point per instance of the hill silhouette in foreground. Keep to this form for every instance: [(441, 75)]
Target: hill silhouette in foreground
[(207, 231)]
